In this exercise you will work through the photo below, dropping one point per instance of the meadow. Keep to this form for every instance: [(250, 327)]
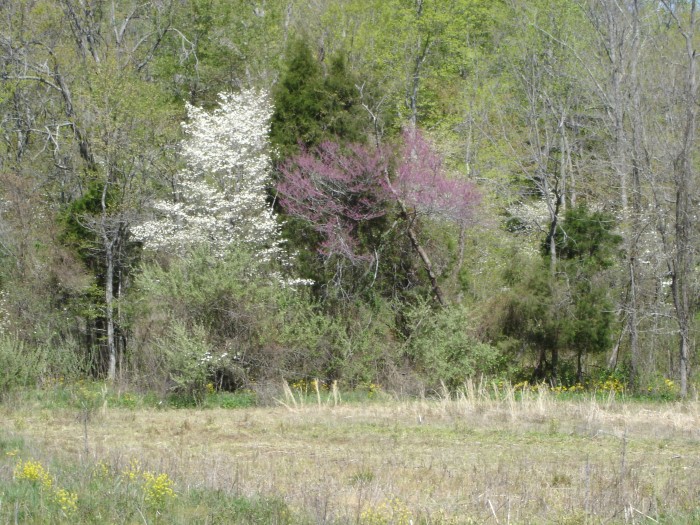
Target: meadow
[(487, 454)]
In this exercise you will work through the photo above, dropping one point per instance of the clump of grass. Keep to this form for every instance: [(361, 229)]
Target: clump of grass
[(363, 476), (303, 392)]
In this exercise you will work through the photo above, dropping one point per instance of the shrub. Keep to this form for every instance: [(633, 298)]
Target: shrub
[(188, 360), (203, 319), (442, 347), (23, 365)]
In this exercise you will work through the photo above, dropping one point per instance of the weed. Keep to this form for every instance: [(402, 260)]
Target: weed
[(362, 477), (157, 489), (68, 501), (34, 472), (393, 511)]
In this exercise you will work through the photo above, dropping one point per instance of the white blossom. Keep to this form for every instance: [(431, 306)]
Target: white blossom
[(220, 197), (531, 215)]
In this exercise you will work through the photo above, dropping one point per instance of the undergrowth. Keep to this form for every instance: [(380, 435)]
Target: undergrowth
[(45, 491)]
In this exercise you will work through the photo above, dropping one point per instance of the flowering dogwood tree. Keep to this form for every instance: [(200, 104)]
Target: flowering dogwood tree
[(220, 198)]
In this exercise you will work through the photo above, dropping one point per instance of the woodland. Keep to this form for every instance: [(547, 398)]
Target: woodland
[(200, 194)]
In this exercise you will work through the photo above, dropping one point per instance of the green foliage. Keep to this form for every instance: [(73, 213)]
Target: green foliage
[(230, 43), (23, 365), (75, 232), (587, 238), (443, 348), (298, 102), (343, 116), (20, 366), (230, 400), (311, 107), (187, 360), (529, 313), (588, 328), (202, 305), (587, 245), (572, 309), (515, 95), (202, 320)]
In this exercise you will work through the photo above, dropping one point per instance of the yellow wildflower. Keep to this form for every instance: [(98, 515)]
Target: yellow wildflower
[(34, 472)]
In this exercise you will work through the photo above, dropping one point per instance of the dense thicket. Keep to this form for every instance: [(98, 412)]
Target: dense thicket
[(463, 187)]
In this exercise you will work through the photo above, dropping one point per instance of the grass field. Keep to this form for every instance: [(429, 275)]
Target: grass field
[(483, 456)]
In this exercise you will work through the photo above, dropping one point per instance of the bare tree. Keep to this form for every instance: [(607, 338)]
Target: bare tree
[(681, 248)]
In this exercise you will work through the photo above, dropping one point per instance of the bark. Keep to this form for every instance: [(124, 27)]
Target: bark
[(639, 163), (415, 81), (427, 264), (551, 235), (109, 245), (460, 250), (632, 323), (683, 178)]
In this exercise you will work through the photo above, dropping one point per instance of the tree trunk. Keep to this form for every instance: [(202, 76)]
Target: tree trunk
[(632, 324), (639, 163), (109, 314), (426, 261), (427, 264), (108, 246), (683, 175)]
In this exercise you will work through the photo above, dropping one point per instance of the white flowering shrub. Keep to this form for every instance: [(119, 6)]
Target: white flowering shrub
[(220, 198), (188, 360)]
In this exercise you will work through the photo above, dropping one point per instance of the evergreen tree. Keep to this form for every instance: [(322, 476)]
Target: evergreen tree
[(298, 102), (311, 108), (342, 115), (586, 247)]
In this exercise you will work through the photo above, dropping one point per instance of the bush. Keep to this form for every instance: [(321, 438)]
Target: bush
[(354, 345), (22, 365), (227, 322), (442, 347), (187, 360)]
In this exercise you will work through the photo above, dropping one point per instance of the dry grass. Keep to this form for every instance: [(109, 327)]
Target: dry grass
[(535, 459)]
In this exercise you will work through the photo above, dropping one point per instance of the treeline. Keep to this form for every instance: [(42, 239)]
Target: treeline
[(406, 192)]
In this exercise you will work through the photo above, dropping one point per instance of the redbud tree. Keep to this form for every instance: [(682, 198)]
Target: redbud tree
[(336, 189), (423, 185)]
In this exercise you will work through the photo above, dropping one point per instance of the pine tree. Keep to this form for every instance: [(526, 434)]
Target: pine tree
[(298, 103)]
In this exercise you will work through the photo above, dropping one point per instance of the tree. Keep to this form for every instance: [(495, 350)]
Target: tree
[(423, 185), (422, 188), (619, 37), (219, 199), (98, 223), (340, 190), (338, 193), (296, 119), (586, 246), (312, 107), (679, 243), (95, 131)]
